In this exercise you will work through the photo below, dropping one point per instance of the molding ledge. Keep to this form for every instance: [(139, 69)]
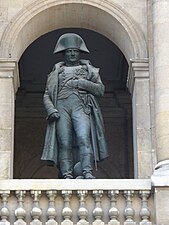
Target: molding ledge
[(138, 69), (75, 184), (9, 69)]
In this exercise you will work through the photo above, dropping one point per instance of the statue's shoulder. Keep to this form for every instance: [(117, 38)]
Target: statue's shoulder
[(56, 69), (57, 66), (89, 65)]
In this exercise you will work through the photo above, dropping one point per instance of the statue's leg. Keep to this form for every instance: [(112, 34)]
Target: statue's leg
[(81, 123), (64, 137)]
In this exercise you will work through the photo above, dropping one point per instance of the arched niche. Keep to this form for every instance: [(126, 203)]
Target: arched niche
[(30, 125)]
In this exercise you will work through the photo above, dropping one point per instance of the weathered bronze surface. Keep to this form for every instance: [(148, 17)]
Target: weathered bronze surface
[(75, 132)]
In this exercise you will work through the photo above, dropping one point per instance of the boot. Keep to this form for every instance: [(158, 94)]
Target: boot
[(88, 175), (86, 164), (66, 169), (68, 176)]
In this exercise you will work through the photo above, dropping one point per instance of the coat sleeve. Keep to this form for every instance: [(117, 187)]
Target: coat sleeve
[(51, 88)]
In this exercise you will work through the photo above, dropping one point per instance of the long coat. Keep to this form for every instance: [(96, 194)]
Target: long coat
[(50, 150)]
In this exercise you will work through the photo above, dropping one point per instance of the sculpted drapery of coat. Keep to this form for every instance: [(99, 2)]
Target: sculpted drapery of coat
[(50, 151)]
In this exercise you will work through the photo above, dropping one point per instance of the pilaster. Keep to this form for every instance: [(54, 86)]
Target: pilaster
[(138, 84), (9, 83)]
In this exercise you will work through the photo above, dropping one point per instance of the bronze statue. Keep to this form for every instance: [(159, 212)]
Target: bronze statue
[(75, 133)]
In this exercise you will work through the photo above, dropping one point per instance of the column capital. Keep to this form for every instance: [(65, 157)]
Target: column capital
[(138, 68), (9, 69)]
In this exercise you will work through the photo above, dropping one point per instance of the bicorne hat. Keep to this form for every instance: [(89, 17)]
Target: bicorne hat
[(70, 40)]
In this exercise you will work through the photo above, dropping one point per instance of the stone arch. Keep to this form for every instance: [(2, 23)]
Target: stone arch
[(41, 17)]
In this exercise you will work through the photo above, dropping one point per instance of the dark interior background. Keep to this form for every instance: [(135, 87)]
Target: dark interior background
[(36, 62)]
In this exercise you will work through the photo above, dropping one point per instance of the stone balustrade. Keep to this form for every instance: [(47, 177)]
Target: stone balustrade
[(81, 202)]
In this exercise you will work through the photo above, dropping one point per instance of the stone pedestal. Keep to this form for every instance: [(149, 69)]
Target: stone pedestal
[(161, 196), (161, 71), (138, 84), (8, 85)]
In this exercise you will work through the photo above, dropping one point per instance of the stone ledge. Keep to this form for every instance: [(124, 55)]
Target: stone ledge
[(67, 184)]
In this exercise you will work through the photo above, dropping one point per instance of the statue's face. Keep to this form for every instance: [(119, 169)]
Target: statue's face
[(72, 56)]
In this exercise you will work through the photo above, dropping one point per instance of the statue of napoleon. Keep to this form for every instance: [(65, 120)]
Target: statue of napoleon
[(75, 134)]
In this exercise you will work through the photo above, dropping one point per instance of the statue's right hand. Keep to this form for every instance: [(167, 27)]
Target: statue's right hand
[(54, 116), (73, 83)]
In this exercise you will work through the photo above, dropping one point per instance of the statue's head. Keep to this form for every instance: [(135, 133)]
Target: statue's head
[(70, 41), (71, 45)]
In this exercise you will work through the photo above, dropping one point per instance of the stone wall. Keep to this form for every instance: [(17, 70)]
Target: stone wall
[(117, 20)]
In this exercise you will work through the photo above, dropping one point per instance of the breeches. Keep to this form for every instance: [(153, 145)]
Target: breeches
[(73, 121)]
